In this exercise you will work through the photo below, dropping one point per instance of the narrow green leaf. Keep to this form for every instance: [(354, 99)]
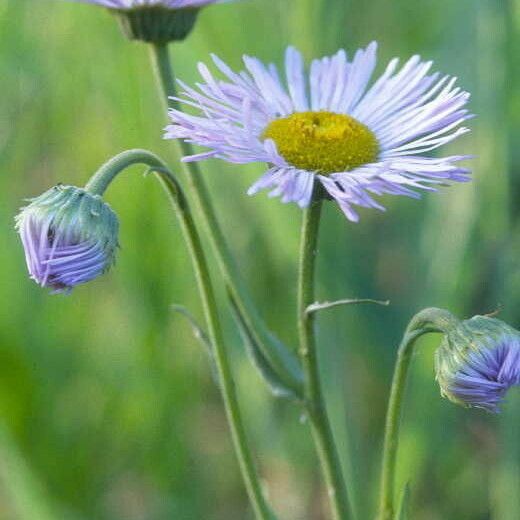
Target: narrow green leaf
[(404, 504), (200, 335), (276, 383), (315, 307)]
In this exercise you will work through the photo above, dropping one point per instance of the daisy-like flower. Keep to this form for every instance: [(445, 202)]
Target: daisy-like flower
[(478, 362), (155, 21), (332, 126), (69, 235)]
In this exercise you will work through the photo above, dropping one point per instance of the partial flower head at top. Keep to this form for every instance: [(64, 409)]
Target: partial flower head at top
[(333, 127), (155, 21), (478, 362), (70, 237), (134, 4)]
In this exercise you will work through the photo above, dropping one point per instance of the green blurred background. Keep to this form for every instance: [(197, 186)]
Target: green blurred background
[(107, 407)]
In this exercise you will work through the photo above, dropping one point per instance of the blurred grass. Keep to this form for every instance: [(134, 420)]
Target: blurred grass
[(107, 401)]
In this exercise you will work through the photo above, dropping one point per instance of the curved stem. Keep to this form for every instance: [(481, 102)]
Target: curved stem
[(314, 401), (100, 181), (428, 320), (279, 357), (98, 185), (393, 422)]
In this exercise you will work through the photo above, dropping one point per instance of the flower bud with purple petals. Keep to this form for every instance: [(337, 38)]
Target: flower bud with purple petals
[(70, 237), (478, 361)]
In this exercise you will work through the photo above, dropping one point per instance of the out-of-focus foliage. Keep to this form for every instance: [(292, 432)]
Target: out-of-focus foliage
[(107, 406)]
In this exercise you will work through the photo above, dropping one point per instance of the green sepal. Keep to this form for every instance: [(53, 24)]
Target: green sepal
[(157, 24), (288, 385)]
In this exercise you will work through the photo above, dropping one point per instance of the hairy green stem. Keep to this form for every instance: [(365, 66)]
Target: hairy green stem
[(314, 400), (102, 179), (98, 184), (393, 422), (426, 321), (280, 358)]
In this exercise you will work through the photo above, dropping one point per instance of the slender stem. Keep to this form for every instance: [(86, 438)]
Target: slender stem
[(227, 384), (280, 358), (393, 422), (100, 181), (314, 401), (428, 320), (164, 72), (98, 185)]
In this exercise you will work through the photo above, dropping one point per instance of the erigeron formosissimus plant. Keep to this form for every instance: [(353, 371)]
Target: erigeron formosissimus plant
[(329, 134)]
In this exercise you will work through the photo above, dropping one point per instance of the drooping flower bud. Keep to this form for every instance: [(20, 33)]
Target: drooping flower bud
[(478, 361), (70, 237)]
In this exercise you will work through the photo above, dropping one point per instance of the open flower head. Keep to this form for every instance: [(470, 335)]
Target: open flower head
[(334, 126), (69, 235), (478, 362)]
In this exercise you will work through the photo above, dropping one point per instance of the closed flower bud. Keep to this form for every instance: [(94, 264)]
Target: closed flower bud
[(478, 361), (70, 237)]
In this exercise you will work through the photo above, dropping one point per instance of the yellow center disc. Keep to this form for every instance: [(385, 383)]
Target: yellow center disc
[(323, 142)]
